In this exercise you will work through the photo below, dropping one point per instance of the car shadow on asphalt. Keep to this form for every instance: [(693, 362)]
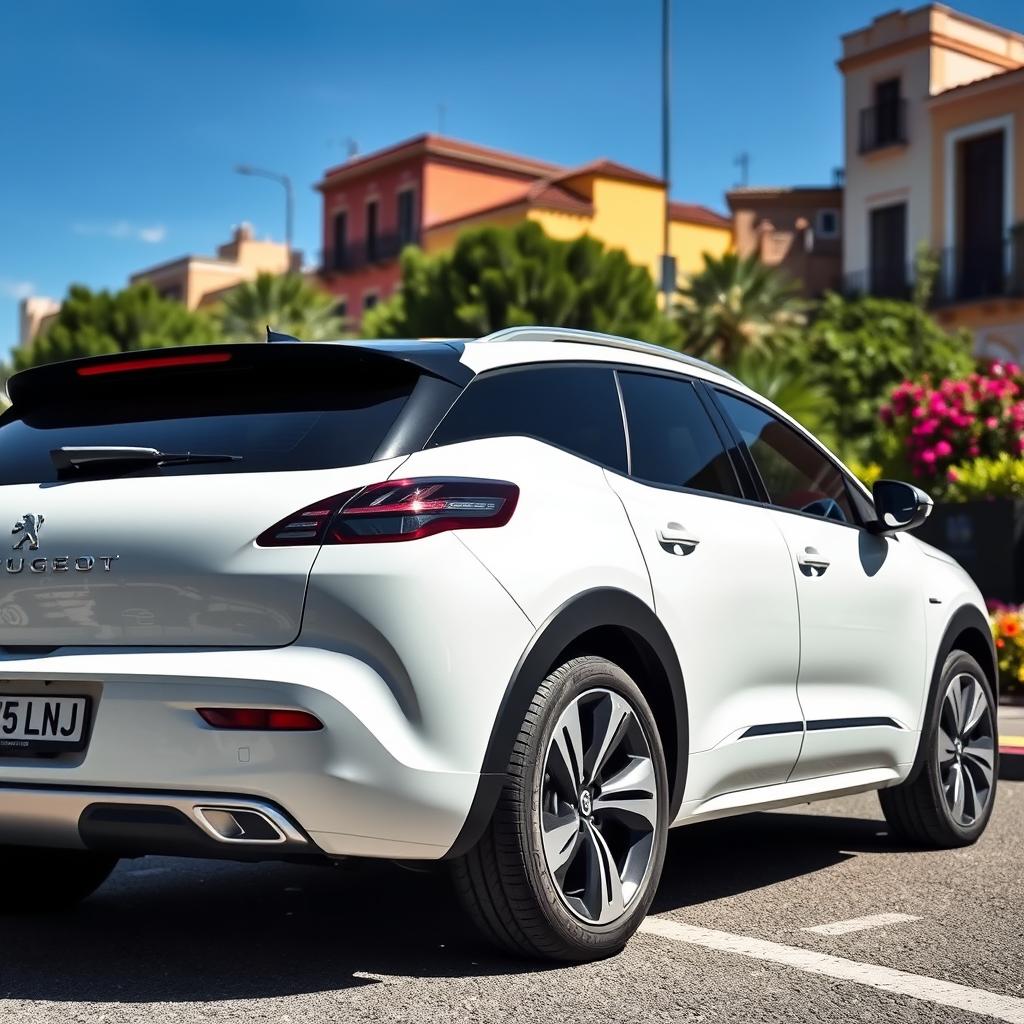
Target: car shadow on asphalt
[(719, 859), (164, 930)]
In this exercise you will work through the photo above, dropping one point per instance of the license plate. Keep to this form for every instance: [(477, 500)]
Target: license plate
[(36, 724)]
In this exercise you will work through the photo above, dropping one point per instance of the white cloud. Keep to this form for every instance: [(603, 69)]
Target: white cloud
[(122, 230), (16, 289)]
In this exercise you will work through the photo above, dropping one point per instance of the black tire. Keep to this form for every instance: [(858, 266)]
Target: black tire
[(917, 810), (505, 882), (43, 880)]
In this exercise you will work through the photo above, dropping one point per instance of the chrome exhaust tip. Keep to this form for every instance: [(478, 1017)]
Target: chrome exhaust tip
[(233, 824)]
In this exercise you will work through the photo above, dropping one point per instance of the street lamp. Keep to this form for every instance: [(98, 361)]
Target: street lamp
[(668, 263), (281, 179)]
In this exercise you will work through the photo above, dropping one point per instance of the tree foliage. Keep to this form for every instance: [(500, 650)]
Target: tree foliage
[(506, 277), (735, 304), (286, 302), (103, 323), (858, 350), (781, 377)]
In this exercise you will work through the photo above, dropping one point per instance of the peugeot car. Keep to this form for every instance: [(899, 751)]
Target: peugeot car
[(519, 604)]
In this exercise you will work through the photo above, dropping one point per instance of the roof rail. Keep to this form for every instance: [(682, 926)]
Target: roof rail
[(607, 340)]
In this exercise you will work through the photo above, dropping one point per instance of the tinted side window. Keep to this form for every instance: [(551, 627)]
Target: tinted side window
[(573, 407), (795, 473), (671, 438)]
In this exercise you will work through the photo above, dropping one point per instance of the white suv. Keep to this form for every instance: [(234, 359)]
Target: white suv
[(520, 603)]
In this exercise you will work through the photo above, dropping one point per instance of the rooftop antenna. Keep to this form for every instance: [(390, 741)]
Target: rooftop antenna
[(273, 337), (743, 162), (351, 147)]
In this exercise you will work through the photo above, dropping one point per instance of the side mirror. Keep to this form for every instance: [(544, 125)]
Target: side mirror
[(899, 506)]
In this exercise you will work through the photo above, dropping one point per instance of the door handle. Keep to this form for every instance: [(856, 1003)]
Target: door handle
[(811, 559), (677, 540)]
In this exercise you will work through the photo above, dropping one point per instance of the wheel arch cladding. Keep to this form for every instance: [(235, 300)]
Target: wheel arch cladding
[(968, 630), (611, 624)]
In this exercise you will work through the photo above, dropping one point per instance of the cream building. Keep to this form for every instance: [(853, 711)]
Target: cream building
[(934, 136), (201, 280)]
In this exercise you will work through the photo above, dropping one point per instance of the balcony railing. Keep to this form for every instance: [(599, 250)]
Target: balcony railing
[(884, 124), (981, 272), (365, 253), (892, 283), (965, 273)]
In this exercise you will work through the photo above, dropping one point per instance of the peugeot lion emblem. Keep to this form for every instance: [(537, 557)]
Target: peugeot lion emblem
[(28, 526)]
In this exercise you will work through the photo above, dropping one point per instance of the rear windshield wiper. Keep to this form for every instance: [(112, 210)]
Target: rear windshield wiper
[(130, 458)]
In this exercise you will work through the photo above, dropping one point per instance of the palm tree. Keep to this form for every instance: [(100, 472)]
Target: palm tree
[(736, 303), (286, 302), (783, 380)]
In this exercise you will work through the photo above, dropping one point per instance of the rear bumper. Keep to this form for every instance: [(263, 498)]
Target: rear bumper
[(370, 783), (134, 821)]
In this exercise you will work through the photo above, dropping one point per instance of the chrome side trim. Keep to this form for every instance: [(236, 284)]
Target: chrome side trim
[(49, 816)]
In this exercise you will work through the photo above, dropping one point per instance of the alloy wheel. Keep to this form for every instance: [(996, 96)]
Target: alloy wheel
[(966, 748), (599, 806)]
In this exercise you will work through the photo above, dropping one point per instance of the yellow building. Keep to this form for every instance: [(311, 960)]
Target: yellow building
[(201, 280), (622, 207), (935, 154)]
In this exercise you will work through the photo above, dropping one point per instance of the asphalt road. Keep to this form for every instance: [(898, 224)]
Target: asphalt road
[(202, 941)]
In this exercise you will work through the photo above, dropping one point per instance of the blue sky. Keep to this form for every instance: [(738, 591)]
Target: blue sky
[(121, 120)]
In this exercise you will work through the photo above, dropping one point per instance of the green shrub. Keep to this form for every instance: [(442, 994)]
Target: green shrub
[(1001, 477)]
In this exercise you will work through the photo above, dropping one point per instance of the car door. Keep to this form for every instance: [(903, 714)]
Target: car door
[(862, 617), (722, 587)]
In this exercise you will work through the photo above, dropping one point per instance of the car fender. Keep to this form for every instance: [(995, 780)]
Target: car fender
[(593, 609)]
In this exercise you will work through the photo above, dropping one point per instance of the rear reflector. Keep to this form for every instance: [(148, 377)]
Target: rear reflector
[(266, 719), (397, 510), (153, 363)]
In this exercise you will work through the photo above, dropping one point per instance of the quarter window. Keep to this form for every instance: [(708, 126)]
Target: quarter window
[(795, 473), (571, 407), (672, 441)]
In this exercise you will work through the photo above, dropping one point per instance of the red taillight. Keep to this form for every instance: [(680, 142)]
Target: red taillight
[(153, 363), (307, 526), (266, 719), (398, 510)]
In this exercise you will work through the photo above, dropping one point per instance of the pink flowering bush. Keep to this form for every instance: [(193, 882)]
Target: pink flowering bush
[(960, 419)]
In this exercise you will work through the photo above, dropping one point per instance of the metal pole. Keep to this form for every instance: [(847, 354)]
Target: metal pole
[(667, 267), (289, 215), (286, 183)]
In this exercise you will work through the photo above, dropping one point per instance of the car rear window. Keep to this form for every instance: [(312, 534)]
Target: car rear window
[(289, 410)]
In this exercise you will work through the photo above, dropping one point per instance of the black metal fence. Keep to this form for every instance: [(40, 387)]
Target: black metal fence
[(366, 252), (965, 273)]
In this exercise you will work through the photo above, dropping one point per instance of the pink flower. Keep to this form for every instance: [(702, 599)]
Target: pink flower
[(992, 423), (943, 449), (928, 456), (951, 475)]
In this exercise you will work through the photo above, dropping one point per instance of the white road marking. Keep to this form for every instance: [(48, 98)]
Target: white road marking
[(860, 924), (916, 986)]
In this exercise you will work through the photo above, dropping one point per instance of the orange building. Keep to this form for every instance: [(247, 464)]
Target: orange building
[(428, 189), (797, 229)]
